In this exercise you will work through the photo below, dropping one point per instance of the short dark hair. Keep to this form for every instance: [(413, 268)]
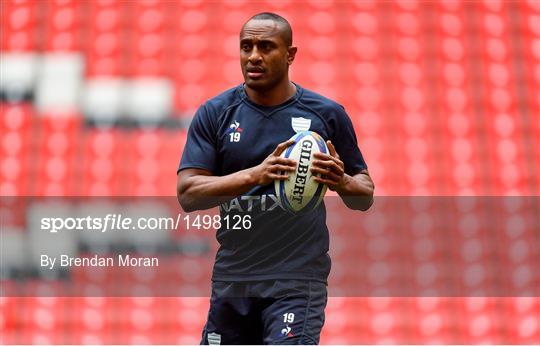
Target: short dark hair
[(287, 30)]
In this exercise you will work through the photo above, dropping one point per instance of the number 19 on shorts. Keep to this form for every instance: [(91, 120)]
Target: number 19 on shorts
[(288, 317)]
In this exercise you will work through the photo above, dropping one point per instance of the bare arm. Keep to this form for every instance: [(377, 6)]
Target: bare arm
[(355, 191), (198, 189)]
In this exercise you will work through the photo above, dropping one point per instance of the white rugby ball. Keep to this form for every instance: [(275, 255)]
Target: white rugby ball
[(301, 193)]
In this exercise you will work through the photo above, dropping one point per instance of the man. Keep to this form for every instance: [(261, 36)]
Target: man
[(269, 281)]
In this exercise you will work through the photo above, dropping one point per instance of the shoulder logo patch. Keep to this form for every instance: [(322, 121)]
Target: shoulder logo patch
[(214, 339), (300, 124)]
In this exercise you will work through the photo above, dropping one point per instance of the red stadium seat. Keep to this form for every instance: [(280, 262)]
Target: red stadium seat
[(19, 26)]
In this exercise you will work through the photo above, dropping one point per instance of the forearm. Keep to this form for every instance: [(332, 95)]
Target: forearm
[(357, 191), (199, 192), (198, 189)]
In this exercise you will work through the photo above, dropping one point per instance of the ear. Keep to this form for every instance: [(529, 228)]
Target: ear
[(291, 53)]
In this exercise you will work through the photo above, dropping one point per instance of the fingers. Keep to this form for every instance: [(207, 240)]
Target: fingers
[(282, 146), (282, 161), (330, 165), (275, 176), (327, 167), (275, 168), (327, 157), (326, 173), (332, 149), (282, 168)]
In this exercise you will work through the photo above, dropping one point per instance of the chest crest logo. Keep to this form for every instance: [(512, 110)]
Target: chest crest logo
[(234, 131), (300, 124)]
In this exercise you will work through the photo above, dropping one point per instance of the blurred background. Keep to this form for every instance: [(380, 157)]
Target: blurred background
[(96, 97)]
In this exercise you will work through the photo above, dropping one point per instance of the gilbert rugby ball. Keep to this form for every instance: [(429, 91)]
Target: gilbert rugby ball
[(301, 193)]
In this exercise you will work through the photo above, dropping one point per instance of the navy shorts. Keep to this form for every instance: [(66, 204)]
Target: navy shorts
[(265, 312)]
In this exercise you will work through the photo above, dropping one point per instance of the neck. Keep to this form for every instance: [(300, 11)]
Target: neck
[(273, 97)]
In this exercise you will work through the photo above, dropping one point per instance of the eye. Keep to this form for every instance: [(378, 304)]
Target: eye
[(266, 46), (245, 47)]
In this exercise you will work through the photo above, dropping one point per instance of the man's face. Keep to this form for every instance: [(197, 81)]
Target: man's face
[(264, 55)]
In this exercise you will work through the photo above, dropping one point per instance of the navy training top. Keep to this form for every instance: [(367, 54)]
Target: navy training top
[(230, 133)]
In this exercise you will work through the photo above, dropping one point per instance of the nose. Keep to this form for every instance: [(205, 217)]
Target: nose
[(254, 57)]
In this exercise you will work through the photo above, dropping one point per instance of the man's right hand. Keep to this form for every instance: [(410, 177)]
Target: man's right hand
[(274, 167)]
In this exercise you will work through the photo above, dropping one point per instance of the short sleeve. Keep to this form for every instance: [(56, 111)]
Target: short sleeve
[(200, 150), (346, 144)]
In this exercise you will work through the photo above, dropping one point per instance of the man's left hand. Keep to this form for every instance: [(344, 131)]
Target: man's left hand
[(330, 168)]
